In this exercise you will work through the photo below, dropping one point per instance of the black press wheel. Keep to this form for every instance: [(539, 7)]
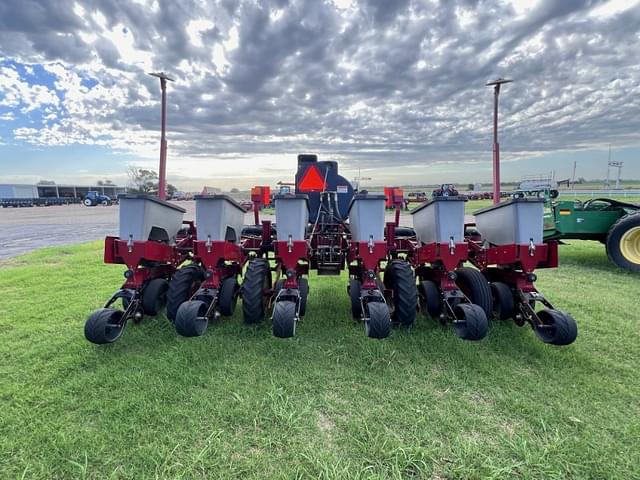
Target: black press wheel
[(623, 242), (104, 326), (284, 319), (476, 287), (354, 294), (399, 277), (228, 296), (430, 299), (559, 328), (183, 284), (154, 296), (503, 303), (471, 322), (257, 279), (378, 322), (191, 320)]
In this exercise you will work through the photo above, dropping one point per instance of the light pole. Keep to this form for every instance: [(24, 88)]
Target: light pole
[(162, 175), (496, 146)]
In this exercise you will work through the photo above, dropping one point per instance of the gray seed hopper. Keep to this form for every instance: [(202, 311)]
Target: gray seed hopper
[(366, 217), (440, 220), (218, 218), (292, 216), (518, 221), (143, 217)]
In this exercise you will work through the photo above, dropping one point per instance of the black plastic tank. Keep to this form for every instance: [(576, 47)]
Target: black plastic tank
[(314, 177)]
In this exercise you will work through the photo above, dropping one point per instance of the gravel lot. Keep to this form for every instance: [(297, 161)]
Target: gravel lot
[(26, 229)]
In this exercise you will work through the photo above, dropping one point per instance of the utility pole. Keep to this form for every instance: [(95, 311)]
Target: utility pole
[(496, 146), (573, 177), (162, 174)]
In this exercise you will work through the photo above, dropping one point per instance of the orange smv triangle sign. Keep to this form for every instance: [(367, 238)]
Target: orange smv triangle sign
[(311, 181)]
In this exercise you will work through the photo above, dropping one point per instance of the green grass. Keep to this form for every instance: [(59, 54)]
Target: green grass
[(239, 403)]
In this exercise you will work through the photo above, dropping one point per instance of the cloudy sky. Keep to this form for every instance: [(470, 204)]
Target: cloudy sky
[(394, 88)]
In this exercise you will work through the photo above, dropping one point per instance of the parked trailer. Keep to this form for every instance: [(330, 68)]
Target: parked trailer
[(37, 202)]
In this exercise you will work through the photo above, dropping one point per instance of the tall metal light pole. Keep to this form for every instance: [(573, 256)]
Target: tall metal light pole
[(162, 174), (496, 146)]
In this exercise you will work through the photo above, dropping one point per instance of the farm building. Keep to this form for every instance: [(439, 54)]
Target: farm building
[(15, 191)]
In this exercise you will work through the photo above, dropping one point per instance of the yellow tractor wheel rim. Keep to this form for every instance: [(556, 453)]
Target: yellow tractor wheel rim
[(630, 245)]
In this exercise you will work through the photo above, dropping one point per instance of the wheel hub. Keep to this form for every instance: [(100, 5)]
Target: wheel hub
[(630, 245)]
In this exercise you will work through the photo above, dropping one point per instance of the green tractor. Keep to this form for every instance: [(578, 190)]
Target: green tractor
[(615, 224)]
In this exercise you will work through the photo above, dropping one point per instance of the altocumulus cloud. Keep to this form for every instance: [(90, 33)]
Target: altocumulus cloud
[(369, 82)]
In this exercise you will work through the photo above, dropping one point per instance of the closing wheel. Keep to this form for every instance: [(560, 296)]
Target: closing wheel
[(623, 242), (476, 287), (191, 320), (284, 319), (228, 296), (399, 277), (257, 279), (430, 299), (471, 322), (503, 303), (559, 328), (183, 284), (154, 296), (105, 325), (354, 294), (378, 323)]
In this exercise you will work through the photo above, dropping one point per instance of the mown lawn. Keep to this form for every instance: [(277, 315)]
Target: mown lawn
[(239, 403)]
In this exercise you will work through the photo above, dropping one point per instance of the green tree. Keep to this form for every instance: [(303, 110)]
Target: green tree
[(142, 181)]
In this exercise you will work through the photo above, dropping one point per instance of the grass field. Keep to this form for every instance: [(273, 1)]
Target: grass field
[(330, 403)]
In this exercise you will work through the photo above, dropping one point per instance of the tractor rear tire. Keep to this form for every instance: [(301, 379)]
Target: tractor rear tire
[(191, 320), (257, 279), (355, 286), (430, 299), (503, 303), (87, 202), (623, 242), (559, 328), (471, 322), (154, 296), (476, 287), (399, 277), (104, 326), (228, 296), (378, 324), (183, 284), (284, 319)]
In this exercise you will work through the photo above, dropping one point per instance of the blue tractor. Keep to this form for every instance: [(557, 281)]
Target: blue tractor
[(94, 198)]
